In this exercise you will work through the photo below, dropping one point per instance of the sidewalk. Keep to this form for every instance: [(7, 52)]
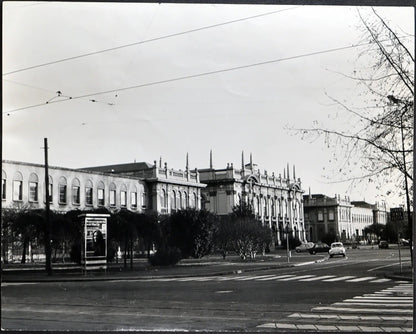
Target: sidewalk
[(207, 266)]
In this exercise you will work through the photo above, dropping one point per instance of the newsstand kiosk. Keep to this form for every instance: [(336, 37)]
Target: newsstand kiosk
[(94, 241)]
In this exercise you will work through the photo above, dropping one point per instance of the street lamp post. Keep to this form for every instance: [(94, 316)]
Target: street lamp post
[(287, 230)]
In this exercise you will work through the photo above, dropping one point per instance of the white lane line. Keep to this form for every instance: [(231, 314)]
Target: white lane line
[(254, 277), (360, 310), (385, 300), (378, 297), (375, 304), (268, 278), (360, 279), (338, 279), (381, 280), (295, 278), (350, 317), (316, 278), (282, 276), (333, 328), (18, 283), (226, 278)]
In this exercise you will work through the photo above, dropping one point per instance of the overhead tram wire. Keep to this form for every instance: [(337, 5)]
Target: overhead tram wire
[(195, 75), (148, 40)]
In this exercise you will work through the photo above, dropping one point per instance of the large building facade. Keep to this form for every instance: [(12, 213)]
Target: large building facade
[(276, 200), (340, 216), (136, 187)]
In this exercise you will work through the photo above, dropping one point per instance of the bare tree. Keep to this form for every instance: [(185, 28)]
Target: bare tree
[(377, 146), (380, 133)]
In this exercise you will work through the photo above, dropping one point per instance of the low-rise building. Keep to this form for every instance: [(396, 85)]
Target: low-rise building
[(340, 216), (136, 187)]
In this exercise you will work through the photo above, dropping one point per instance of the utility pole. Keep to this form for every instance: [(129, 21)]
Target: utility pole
[(48, 248)]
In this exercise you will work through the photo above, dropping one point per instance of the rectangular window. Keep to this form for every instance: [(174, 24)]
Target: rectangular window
[(88, 196), (133, 200), (330, 215), (75, 195), (100, 197), (17, 190), (62, 193), (144, 200), (33, 191), (320, 216), (3, 188), (50, 192), (123, 198), (112, 198)]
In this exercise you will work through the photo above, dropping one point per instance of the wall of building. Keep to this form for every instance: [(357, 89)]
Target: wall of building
[(276, 201), (24, 172)]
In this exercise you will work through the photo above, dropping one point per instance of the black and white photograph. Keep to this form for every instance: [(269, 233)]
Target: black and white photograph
[(233, 167)]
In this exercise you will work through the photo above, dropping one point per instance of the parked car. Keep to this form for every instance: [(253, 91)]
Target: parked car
[(337, 248), (319, 247), (304, 247), (383, 244), (404, 242)]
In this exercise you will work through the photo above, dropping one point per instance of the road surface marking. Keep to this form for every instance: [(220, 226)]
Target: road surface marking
[(381, 280), (282, 276), (382, 304), (269, 278), (360, 279), (295, 278), (247, 278), (338, 279), (359, 310), (337, 327), (316, 278)]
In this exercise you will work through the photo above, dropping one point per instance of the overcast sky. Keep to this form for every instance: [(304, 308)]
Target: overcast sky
[(160, 98)]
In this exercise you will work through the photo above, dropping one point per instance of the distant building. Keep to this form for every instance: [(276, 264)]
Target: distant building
[(276, 200), (345, 218), (136, 187), (325, 215)]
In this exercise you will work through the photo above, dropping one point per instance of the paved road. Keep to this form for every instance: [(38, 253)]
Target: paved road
[(340, 294)]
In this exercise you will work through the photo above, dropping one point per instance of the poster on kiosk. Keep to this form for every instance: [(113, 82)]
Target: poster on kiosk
[(94, 245)]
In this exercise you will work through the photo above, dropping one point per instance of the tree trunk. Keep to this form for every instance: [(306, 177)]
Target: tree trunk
[(131, 254), (125, 253), (25, 242)]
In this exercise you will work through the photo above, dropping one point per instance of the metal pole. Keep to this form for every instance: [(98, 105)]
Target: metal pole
[(48, 249), (400, 255), (287, 244)]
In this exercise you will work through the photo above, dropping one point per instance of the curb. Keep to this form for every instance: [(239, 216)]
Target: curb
[(398, 277)]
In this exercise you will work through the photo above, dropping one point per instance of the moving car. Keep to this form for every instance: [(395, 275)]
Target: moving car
[(304, 247), (383, 244), (319, 247), (337, 248)]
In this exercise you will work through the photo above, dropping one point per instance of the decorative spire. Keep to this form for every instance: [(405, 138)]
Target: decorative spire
[(187, 161), (242, 160), (288, 176), (284, 174), (251, 161), (160, 162), (210, 159), (294, 175)]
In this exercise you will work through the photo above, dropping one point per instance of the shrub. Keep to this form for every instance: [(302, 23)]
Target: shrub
[(75, 253), (165, 256)]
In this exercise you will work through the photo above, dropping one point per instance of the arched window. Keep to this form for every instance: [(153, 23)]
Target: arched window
[(50, 190), (3, 184), (185, 200), (173, 200), (33, 187), (113, 190), (75, 191), (101, 193), (18, 187), (273, 207), (88, 193), (133, 197), (179, 206), (195, 200), (62, 184), (123, 196)]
